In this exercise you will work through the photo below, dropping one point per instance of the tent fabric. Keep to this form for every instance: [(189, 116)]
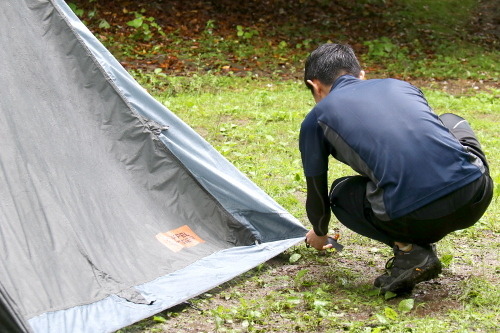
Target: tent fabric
[(10, 318), (111, 208)]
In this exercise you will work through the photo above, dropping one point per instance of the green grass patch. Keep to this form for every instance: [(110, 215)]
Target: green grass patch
[(446, 17), (255, 123)]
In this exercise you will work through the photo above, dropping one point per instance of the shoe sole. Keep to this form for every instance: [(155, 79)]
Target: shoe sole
[(427, 270), (379, 281)]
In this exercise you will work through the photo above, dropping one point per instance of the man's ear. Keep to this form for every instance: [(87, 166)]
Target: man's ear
[(316, 89), (314, 84), (362, 75)]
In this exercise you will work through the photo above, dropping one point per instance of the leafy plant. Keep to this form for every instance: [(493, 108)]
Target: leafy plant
[(295, 257), (381, 47), (145, 27), (406, 305), (304, 44), (89, 16), (447, 259), (103, 24), (209, 27), (246, 33), (300, 278), (78, 11)]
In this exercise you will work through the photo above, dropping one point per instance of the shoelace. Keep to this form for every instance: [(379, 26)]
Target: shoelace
[(390, 263)]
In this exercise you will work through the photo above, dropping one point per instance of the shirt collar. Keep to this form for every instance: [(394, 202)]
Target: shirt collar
[(342, 78)]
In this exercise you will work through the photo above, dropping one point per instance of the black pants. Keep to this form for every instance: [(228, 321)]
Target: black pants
[(425, 225)]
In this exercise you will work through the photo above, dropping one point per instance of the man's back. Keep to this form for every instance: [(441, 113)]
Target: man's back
[(384, 129)]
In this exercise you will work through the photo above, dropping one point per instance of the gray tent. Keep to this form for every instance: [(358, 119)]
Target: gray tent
[(111, 208)]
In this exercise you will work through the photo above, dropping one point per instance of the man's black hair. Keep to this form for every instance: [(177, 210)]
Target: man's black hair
[(329, 61)]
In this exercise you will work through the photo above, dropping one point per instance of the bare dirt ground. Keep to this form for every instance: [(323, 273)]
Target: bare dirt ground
[(363, 262), (458, 87)]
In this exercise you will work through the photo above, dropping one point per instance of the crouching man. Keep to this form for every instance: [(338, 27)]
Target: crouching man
[(421, 176)]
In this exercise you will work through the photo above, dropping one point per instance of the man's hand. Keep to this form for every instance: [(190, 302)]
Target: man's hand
[(318, 242)]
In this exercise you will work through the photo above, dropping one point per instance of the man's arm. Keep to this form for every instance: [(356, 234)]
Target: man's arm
[(318, 210)]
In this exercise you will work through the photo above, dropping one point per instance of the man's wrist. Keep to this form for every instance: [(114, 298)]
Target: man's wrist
[(319, 233)]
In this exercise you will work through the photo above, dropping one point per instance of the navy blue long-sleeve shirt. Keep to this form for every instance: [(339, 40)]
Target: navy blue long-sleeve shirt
[(384, 129)]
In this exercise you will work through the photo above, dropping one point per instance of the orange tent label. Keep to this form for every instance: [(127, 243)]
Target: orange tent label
[(179, 238)]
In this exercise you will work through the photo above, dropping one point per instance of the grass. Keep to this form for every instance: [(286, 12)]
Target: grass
[(255, 124)]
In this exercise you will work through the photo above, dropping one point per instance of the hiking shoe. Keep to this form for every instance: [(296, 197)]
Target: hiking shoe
[(406, 269)]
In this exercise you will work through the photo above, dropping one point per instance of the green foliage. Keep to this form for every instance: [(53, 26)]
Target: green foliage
[(300, 278), (479, 292), (78, 11), (432, 42), (442, 17), (306, 44), (209, 27), (406, 305), (246, 33), (446, 260), (103, 24), (89, 15), (382, 47), (389, 294), (294, 258), (247, 315), (159, 319), (145, 27)]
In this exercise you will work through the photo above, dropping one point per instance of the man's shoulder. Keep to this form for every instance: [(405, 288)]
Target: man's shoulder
[(311, 118), (349, 79), (354, 89)]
